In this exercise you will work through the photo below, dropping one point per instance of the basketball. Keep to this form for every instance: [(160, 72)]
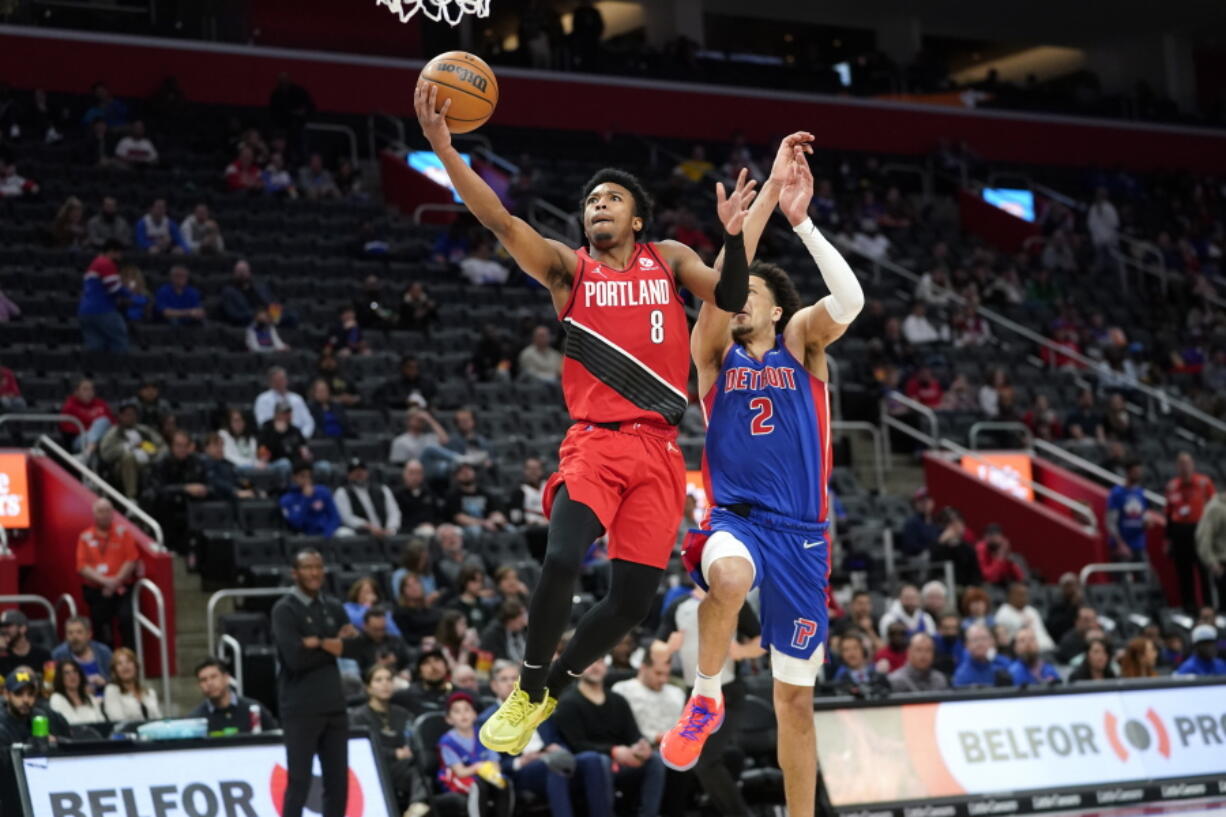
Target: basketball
[(469, 83)]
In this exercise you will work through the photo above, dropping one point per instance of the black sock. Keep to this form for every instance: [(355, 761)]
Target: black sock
[(572, 528)]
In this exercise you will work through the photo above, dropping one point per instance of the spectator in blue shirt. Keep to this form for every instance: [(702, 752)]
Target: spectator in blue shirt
[(107, 108), (157, 232), (980, 667), (950, 652), (1126, 506), (178, 303), (1030, 669), (1205, 660), (309, 508), (921, 531)]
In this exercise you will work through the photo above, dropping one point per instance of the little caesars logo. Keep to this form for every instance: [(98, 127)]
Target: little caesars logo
[(10, 503), (465, 75)]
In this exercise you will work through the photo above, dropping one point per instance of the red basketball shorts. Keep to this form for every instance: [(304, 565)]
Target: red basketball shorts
[(633, 479)]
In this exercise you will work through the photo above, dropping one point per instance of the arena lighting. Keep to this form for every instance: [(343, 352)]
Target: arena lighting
[(428, 164), (1013, 201)]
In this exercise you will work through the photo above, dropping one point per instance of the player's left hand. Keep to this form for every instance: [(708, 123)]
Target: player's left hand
[(430, 116), (797, 191), (732, 209), (787, 150)]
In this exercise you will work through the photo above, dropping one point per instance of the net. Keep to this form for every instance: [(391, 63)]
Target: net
[(449, 11)]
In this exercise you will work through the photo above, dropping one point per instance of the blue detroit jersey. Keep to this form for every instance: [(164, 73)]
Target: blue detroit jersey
[(768, 435)]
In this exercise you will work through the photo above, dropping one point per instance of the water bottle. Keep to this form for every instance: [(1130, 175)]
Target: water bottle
[(253, 718), (40, 731)]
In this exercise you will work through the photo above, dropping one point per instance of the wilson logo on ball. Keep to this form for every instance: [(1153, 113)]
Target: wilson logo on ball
[(465, 75)]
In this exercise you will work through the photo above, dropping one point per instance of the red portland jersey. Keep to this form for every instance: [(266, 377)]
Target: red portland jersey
[(627, 353)]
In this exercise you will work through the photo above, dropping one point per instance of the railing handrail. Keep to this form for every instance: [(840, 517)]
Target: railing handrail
[(69, 601), (878, 450), (916, 406), (236, 648), (158, 631), (42, 417), (1042, 490), (233, 593), (493, 158), (1111, 567), (4, 542), (1047, 343), (90, 479), (972, 436), (569, 219), (349, 133), (31, 598), (1092, 468)]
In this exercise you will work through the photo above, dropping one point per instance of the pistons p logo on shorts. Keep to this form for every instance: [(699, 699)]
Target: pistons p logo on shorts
[(803, 633)]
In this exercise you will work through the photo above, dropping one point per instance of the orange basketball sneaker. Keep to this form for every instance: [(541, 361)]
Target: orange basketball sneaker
[(681, 746)]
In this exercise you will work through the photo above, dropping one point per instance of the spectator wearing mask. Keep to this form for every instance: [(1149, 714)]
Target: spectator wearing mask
[(21, 705), (126, 698), (1205, 661), (366, 508), (262, 336), (1063, 614), (656, 704), (93, 412), (906, 609), (108, 225), (591, 719), (102, 326), (504, 637), (329, 416), (201, 232), (917, 674), (92, 657), (157, 233), (130, 448), (1126, 507), (1029, 668), (1187, 494), (343, 390), (1017, 613), (308, 508), (893, 654), (539, 360), (470, 505), (992, 551), (391, 726), (277, 394), (225, 710), (1095, 663), (948, 644), (420, 508), (920, 532), (1073, 642), (73, 699), (1211, 543), (16, 648), (177, 302), (136, 148), (431, 684), (980, 667)]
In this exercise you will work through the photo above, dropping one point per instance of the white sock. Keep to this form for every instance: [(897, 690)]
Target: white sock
[(709, 686)]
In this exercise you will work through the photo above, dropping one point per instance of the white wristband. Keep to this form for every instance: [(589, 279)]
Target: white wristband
[(846, 297)]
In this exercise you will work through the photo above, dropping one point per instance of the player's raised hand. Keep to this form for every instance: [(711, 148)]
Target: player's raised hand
[(787, 150), (732, 209), (797, 190), (433, 121)]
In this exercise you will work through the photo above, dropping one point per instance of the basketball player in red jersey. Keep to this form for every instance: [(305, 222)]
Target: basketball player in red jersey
[(624, 377)]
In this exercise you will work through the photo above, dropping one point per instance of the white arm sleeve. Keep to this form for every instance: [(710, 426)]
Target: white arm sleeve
[(846, 298)]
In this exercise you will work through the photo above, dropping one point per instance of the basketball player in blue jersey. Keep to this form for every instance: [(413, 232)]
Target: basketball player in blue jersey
[(763, 376)]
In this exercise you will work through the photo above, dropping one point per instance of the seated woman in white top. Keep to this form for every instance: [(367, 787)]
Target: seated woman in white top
[(126, 698), (72, 697)]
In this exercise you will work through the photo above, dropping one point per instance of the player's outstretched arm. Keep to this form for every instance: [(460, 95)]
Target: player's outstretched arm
[(550, 262), (729, 287), (825, 321)]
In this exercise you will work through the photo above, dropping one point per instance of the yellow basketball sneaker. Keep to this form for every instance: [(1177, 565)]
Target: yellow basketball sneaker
[(512, 726)]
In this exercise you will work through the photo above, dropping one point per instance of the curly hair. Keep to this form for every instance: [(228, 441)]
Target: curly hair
[(642, 201), (782, 290)]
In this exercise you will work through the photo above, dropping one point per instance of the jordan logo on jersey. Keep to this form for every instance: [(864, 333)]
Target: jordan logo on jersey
[(740, 378)]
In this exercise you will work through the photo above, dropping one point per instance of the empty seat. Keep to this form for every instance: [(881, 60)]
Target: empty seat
[(260, 515)]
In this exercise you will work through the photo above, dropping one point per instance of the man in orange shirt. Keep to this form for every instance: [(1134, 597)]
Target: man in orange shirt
[(107, 561), (1186, 496)]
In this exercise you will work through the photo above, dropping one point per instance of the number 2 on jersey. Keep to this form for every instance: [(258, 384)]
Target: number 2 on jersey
[(657, 326), (761, 423)]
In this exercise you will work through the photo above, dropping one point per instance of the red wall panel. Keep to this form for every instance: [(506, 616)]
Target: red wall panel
[(71, 61), (1008, 232)]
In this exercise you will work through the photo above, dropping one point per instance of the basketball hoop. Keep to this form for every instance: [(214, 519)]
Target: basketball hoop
[(449, 11)]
